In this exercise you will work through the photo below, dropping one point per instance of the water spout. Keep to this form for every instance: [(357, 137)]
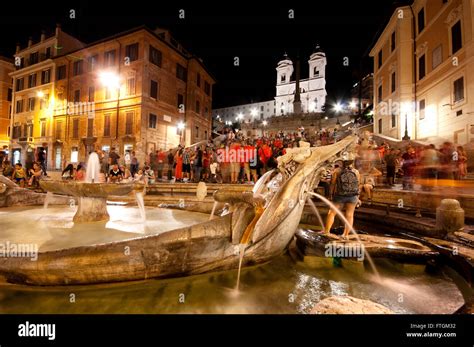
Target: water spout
[(141, 205), (213, 210), (344, 219), (93, 168), (242, 247), (316, 212), (47, 199)]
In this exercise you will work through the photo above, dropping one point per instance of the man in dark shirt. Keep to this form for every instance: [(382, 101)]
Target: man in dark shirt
[(42, 160), (391, 162), (170, 164), (408, 167), (113, 157), (198, 165)]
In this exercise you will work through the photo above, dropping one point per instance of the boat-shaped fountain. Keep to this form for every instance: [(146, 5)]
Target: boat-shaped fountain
[(256, 227)]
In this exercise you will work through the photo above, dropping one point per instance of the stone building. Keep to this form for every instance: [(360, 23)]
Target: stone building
[(6, 92), (138, 90), (423, 73)]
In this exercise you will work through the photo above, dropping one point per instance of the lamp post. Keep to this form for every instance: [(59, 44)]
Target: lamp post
[(406, 137)]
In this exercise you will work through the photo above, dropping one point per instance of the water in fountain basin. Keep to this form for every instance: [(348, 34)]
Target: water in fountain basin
[(47, 199), (343, 218), (93, 168)]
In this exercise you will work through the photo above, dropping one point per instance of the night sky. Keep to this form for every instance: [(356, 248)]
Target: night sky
[(259, 35)]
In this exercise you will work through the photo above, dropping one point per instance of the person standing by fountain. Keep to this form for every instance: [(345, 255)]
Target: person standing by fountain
[(104, 163), (113, 157), (170, 164), (42, 160), (134, 165), (345, 192), (178, 161)]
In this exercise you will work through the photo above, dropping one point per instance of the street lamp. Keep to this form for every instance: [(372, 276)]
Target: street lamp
[(406, 137), (338, 107), (264, 123), (111, 80), (254, 112), (405, 109)]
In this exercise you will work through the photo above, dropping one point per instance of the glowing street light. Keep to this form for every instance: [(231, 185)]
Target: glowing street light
[(254, 112), (40, 94), (180, 126), (352, 104), (109, 79), (240, 116), (264, 123), (338, 107)]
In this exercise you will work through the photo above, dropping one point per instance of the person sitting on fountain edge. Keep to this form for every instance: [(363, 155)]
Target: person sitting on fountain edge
[(345, 193), (115, 174)]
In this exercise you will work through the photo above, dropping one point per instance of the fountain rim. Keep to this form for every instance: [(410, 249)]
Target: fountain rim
[(84, 189)]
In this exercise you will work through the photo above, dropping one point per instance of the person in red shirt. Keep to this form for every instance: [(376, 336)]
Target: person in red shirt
[(264, 153)]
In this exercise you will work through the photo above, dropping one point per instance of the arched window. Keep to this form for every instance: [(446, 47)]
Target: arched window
[(316, 71), (283, 78)]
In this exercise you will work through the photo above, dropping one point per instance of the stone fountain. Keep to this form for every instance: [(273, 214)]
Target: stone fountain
[(91, 195)]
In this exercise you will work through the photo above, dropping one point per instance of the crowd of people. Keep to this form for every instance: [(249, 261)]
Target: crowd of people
[(234, 158), (425, 165)]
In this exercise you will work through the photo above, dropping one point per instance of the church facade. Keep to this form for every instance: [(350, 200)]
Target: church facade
[(312, 93), (312, 89)]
